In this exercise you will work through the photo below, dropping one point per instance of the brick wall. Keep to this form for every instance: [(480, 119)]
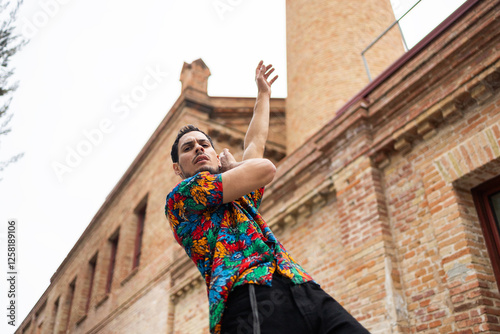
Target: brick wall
[(402, 234), (146, 314), (191, 315)]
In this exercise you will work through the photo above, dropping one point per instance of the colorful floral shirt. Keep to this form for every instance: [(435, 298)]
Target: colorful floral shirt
[(230, 243)]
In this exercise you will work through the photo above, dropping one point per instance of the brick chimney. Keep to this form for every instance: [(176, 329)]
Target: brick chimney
[(325, 69), (195, 75)]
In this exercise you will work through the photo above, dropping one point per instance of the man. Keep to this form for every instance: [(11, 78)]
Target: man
[(254, 285)]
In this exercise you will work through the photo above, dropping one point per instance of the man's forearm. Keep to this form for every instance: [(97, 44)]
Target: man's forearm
[(246, 176), (256, 136)]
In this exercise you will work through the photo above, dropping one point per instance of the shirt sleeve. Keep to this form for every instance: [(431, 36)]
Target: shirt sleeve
[(186, 204), (199, 192), (255, 197)]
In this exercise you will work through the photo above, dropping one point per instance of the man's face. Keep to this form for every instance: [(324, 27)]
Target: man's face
[(196, 154)]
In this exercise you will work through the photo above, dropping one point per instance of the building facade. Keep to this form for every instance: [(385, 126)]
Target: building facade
[(391, 203)]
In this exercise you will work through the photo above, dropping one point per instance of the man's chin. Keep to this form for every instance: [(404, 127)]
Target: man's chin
[(210, 169)]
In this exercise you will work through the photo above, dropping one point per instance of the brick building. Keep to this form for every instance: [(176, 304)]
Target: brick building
[(390, 199)]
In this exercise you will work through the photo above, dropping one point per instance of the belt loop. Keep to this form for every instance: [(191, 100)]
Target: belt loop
[(253, 303)]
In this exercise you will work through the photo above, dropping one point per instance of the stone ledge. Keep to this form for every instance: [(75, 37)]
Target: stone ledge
[(82, 319), (102, 300), (129, 276)]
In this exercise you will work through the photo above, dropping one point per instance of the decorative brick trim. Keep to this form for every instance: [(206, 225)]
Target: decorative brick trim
[(184, 279), (449, 109), (303, 206), (189, 284), (470, 155)]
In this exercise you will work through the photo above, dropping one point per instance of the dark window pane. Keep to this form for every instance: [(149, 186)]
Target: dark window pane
[(495, 208)]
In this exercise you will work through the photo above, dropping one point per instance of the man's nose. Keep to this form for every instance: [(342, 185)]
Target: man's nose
[(199, 148)]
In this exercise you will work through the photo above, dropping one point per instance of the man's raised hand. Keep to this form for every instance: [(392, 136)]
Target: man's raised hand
[(262, 74), (227, 161)]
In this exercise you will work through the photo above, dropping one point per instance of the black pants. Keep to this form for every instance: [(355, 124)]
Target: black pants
[(286, 308)]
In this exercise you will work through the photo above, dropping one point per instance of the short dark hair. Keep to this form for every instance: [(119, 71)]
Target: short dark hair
[(175, 147)]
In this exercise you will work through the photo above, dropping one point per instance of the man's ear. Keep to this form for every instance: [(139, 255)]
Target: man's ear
[(177, 169)]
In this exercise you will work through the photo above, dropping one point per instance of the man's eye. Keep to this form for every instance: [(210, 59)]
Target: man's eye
[(186, 149)]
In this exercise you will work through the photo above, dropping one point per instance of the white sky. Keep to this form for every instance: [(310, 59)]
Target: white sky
[(84, 58)]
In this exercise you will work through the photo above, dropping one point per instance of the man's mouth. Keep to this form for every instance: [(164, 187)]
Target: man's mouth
[(200, 158)]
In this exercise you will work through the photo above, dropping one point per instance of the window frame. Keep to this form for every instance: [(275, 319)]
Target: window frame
[(140, 214), (92, 265), (113, 240), (69, 303), (491, 233)]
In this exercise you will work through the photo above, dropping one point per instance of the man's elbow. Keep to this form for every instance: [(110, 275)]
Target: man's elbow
[(269, 171)]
